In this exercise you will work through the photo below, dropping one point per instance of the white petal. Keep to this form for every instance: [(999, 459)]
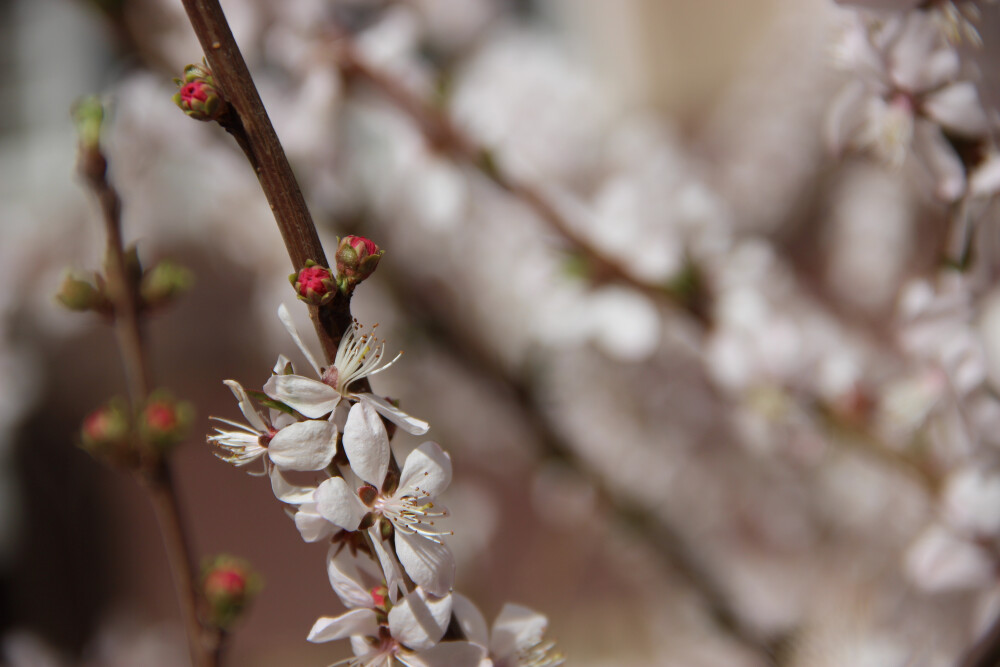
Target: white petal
[(290, 493), (940, 159), (920, 37), (308, 445), (347, 578), (246, 407), (286, 319), (845, 116), (280, 365), (366, 444), (985, 181), (390, 566), (354, 622), (940, 561), (429, 563), (419, 621), (516, 627), (312, 526), (470, 619), (958, 109), (452, 654), (426, 472), (394, 414), (310, 397), (972, 501), (337, 503)]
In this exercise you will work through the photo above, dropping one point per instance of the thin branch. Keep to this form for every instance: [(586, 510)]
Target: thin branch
[(442, 134), (986, 651), (153, 472), (250, 126)]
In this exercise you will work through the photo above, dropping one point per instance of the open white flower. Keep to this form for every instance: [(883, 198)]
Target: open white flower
[(908, 91), (410, 635), (409, 507), (358, 356), (289, 444), (517, 637)]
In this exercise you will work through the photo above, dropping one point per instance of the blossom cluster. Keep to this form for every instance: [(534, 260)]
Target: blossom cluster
[(388, 561)]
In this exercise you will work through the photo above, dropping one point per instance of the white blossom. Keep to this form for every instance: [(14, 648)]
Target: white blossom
[(359, 355), (289, 444)]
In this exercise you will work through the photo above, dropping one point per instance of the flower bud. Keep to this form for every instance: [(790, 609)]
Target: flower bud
[(357, 258), (164, 421), (163, 283), (198, 96), (228, 585), (106, 431), (314, 284), (88, 113), (81, 295)]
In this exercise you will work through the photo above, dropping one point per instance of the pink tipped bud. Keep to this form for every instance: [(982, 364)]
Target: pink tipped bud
[(314, 284), (228, 585), (164, 421), (106, 432), (357, 258), (198, 96)]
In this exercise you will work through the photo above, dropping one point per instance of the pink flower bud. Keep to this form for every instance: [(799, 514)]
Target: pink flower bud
[(314, 284), (106, 432), (164, 421), (228, 585), (357, 258), (198, 96)]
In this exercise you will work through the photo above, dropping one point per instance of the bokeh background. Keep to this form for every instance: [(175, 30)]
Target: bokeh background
[(668, 493)]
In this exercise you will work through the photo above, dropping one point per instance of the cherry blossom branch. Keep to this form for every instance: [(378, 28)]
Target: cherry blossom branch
[(153, 471), (249, 124), (443, 135)]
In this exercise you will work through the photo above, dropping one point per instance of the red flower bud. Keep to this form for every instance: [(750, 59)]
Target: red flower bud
[(228, 585), (314, 284), (357, 258), (106, 432), (198, 96), (164, 421)]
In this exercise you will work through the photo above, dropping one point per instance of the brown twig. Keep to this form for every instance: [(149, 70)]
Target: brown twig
[(153, 471), (250, 126), (986, 651), (443, 135)]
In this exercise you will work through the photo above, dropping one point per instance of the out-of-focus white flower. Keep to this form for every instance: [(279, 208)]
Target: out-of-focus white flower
[(496, 98), (972, 502), (359, 355), (940, 560), (908, 92)]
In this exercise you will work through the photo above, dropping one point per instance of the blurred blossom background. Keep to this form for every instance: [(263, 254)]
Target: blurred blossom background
[(773, 443)]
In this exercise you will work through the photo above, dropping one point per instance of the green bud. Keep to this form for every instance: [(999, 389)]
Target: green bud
[(81, 295), (164, 283)]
